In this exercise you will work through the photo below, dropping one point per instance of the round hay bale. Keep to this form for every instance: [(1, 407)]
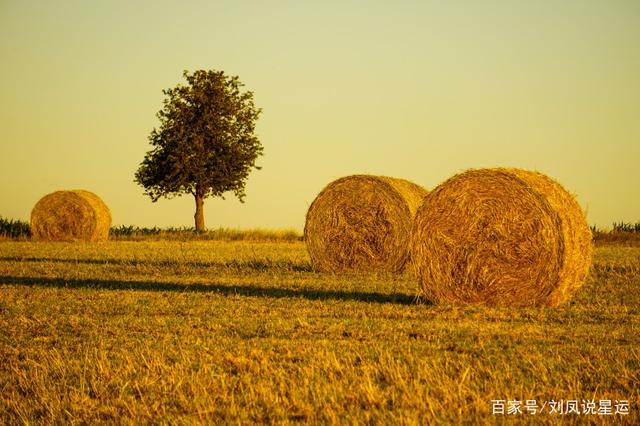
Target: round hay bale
[(362, 223), (70, 216), (502, 237)]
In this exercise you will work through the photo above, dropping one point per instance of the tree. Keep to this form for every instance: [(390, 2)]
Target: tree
[(205, 145)]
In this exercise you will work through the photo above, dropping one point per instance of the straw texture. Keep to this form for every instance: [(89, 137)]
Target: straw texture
[(505, 237), (362, 223), (75, 215)]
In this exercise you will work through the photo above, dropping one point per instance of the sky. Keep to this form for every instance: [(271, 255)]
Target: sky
[(420, 90)]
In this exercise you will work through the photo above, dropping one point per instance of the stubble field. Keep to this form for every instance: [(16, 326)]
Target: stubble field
[(241, 332)]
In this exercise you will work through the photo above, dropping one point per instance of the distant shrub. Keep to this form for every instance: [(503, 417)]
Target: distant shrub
[(14, 228), (626, 227), (623, 233), (134, 233)]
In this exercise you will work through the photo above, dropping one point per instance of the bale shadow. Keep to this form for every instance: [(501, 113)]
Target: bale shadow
[(217, 288), (257, 265)]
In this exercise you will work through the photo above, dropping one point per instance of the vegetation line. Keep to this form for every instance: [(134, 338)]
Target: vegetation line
[(622, 233)]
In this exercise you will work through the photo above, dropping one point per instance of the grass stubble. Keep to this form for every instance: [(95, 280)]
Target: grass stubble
[(239, 332)]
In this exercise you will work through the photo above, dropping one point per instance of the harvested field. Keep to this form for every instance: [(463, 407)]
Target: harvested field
[(207, 331)]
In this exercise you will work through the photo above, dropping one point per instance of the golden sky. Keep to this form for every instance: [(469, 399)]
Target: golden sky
[(413, 89)]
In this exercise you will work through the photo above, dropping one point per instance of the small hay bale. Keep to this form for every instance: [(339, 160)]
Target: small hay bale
[(70, 216), (362, 223), (500, 237)]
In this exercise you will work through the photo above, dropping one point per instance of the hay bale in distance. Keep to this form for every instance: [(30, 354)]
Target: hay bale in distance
[(75, 215), (502, 237), (362, 223)]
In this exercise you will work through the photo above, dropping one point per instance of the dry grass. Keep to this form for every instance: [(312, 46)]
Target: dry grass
[(504, 237), (75, 215), (239, 332), (362, 223)]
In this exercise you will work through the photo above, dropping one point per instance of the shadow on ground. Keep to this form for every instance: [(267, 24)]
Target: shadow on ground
[(257, 265), (219, 288)]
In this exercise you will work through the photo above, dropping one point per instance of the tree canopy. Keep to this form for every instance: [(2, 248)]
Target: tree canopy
[(206, 143)]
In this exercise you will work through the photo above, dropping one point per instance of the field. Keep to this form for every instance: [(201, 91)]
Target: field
[(240, 332)]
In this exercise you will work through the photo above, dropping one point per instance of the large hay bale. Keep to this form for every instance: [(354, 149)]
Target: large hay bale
[(362, 223), (505, 237), (70, 216)]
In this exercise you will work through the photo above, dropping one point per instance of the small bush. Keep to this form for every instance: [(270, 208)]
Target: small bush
[(133, 231), (626, 227), (622, 234), (14, 228)]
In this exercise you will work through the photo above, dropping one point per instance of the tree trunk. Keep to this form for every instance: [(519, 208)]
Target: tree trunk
[(199, 216)]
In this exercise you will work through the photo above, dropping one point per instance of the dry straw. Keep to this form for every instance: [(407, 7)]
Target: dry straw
[(504, 237), (70, 216), (362, 223)]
